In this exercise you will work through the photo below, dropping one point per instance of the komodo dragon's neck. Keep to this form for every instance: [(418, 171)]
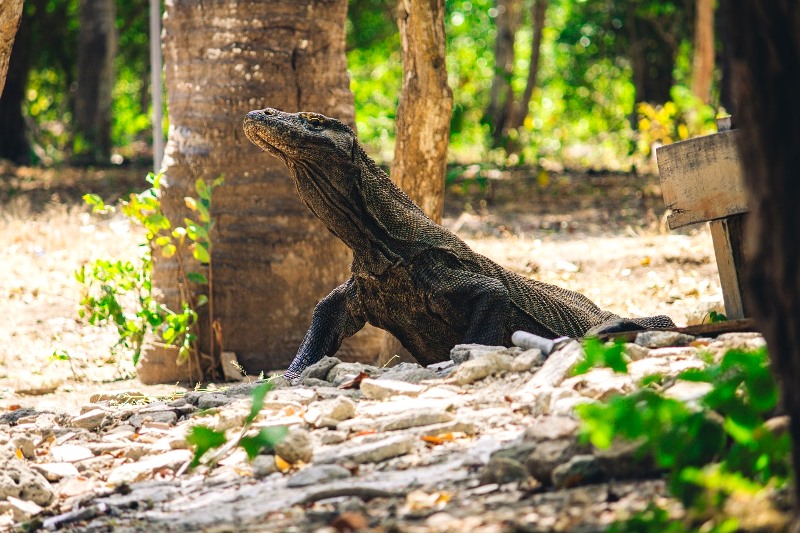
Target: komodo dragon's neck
[(346, 190)]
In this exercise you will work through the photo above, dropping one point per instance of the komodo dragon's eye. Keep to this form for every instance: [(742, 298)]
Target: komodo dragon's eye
[(314, 121)]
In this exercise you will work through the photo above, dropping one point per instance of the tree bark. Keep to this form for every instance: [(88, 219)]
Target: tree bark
[(426, 103), (97, 47), (703, 62), (10, 15), (538, 10), (273, 260), (14, 143), (765, 59)]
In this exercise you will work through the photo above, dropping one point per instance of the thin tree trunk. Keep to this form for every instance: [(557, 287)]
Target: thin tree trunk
[(703, 63), (538, 10), (426, 103), (10, 15), (97, 48), (501, 95), (765, 60)]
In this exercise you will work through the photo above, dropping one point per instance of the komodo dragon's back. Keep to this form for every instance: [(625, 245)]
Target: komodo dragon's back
[(410, 275)]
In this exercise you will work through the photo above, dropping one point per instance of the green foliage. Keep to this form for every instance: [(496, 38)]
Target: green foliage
[(684, 117), (610, 354), (205, 439), (121, 292), (711, 451)]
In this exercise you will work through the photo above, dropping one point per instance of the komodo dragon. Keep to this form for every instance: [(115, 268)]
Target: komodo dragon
[(410, 276)]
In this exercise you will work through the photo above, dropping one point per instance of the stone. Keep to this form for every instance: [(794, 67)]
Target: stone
[(344, 372), (623, 460), (408, 372), (317, 474), (25, 445), (636, 352), (231, 369), (212, 399), (296, 447), (662, 339), (566, 406), (70, 453), (412, 419), (90, 420), (159, 417), (371, 452), (477, 369), (551, 428), (320, 369), (688, 391), (600, 383), (547, 455), (528, 360), (380, 389), (578, 470), (502, 470), (38, 386), (19, 481), (328, 413), (462, 353), (138, 471), (263, 465), (557, 368), (651, 366), (331, 437), (55, 471), (23, 510), (118, 396)]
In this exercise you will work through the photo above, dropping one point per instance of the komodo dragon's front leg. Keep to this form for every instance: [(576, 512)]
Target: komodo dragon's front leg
[(335, 318)]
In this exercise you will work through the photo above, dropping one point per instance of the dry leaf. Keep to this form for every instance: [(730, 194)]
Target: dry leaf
[(365, 432), (419, 500), (438, 439), (282, 464), (355, 382), (18, 453), (350, 521)]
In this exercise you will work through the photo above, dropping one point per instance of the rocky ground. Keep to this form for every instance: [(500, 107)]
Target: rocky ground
[(488, 442)]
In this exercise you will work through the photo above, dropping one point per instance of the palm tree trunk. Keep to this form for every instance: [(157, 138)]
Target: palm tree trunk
[(273, 260)]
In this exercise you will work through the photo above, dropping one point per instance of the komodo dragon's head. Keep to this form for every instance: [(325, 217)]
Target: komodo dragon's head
[(301, 136)]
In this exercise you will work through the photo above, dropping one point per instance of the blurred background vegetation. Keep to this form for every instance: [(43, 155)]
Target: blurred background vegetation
[(614, 78)]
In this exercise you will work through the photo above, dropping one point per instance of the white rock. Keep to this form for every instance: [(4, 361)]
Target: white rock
[(372, 452), (132, 472), (55, 471), (296, 447), (90, 420), (566, 406), (600, 383), (688, 391), (376, 389), (70, 453), (558, 366), (22, 509), (462, 353), (120, 396), (412, 419), (477, 369), (527, 360)]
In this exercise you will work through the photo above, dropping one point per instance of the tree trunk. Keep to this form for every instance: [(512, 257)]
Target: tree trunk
[(703, 63), (97, 47), (652, 57), (765, 60), (426, 103), (10, 15), (273, 261), (14, 144), (423, 119), (501, 96), (538, 10)]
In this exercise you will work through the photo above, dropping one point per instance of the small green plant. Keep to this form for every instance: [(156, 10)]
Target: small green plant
[(611, 355), (205, 439), (121, 292), (717, 449)]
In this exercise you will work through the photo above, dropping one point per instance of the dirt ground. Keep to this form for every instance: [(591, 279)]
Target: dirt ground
[(601, 234)]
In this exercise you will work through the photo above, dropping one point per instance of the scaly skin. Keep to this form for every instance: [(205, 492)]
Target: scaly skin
[(410, 276)]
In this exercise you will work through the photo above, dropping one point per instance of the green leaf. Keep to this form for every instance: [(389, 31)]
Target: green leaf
[(201, 253), (258, 401), (201, 301), (168, 250), (191, 203), (204, 439), (202, 189), (265, 439), (218, 182), (197, 277)]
